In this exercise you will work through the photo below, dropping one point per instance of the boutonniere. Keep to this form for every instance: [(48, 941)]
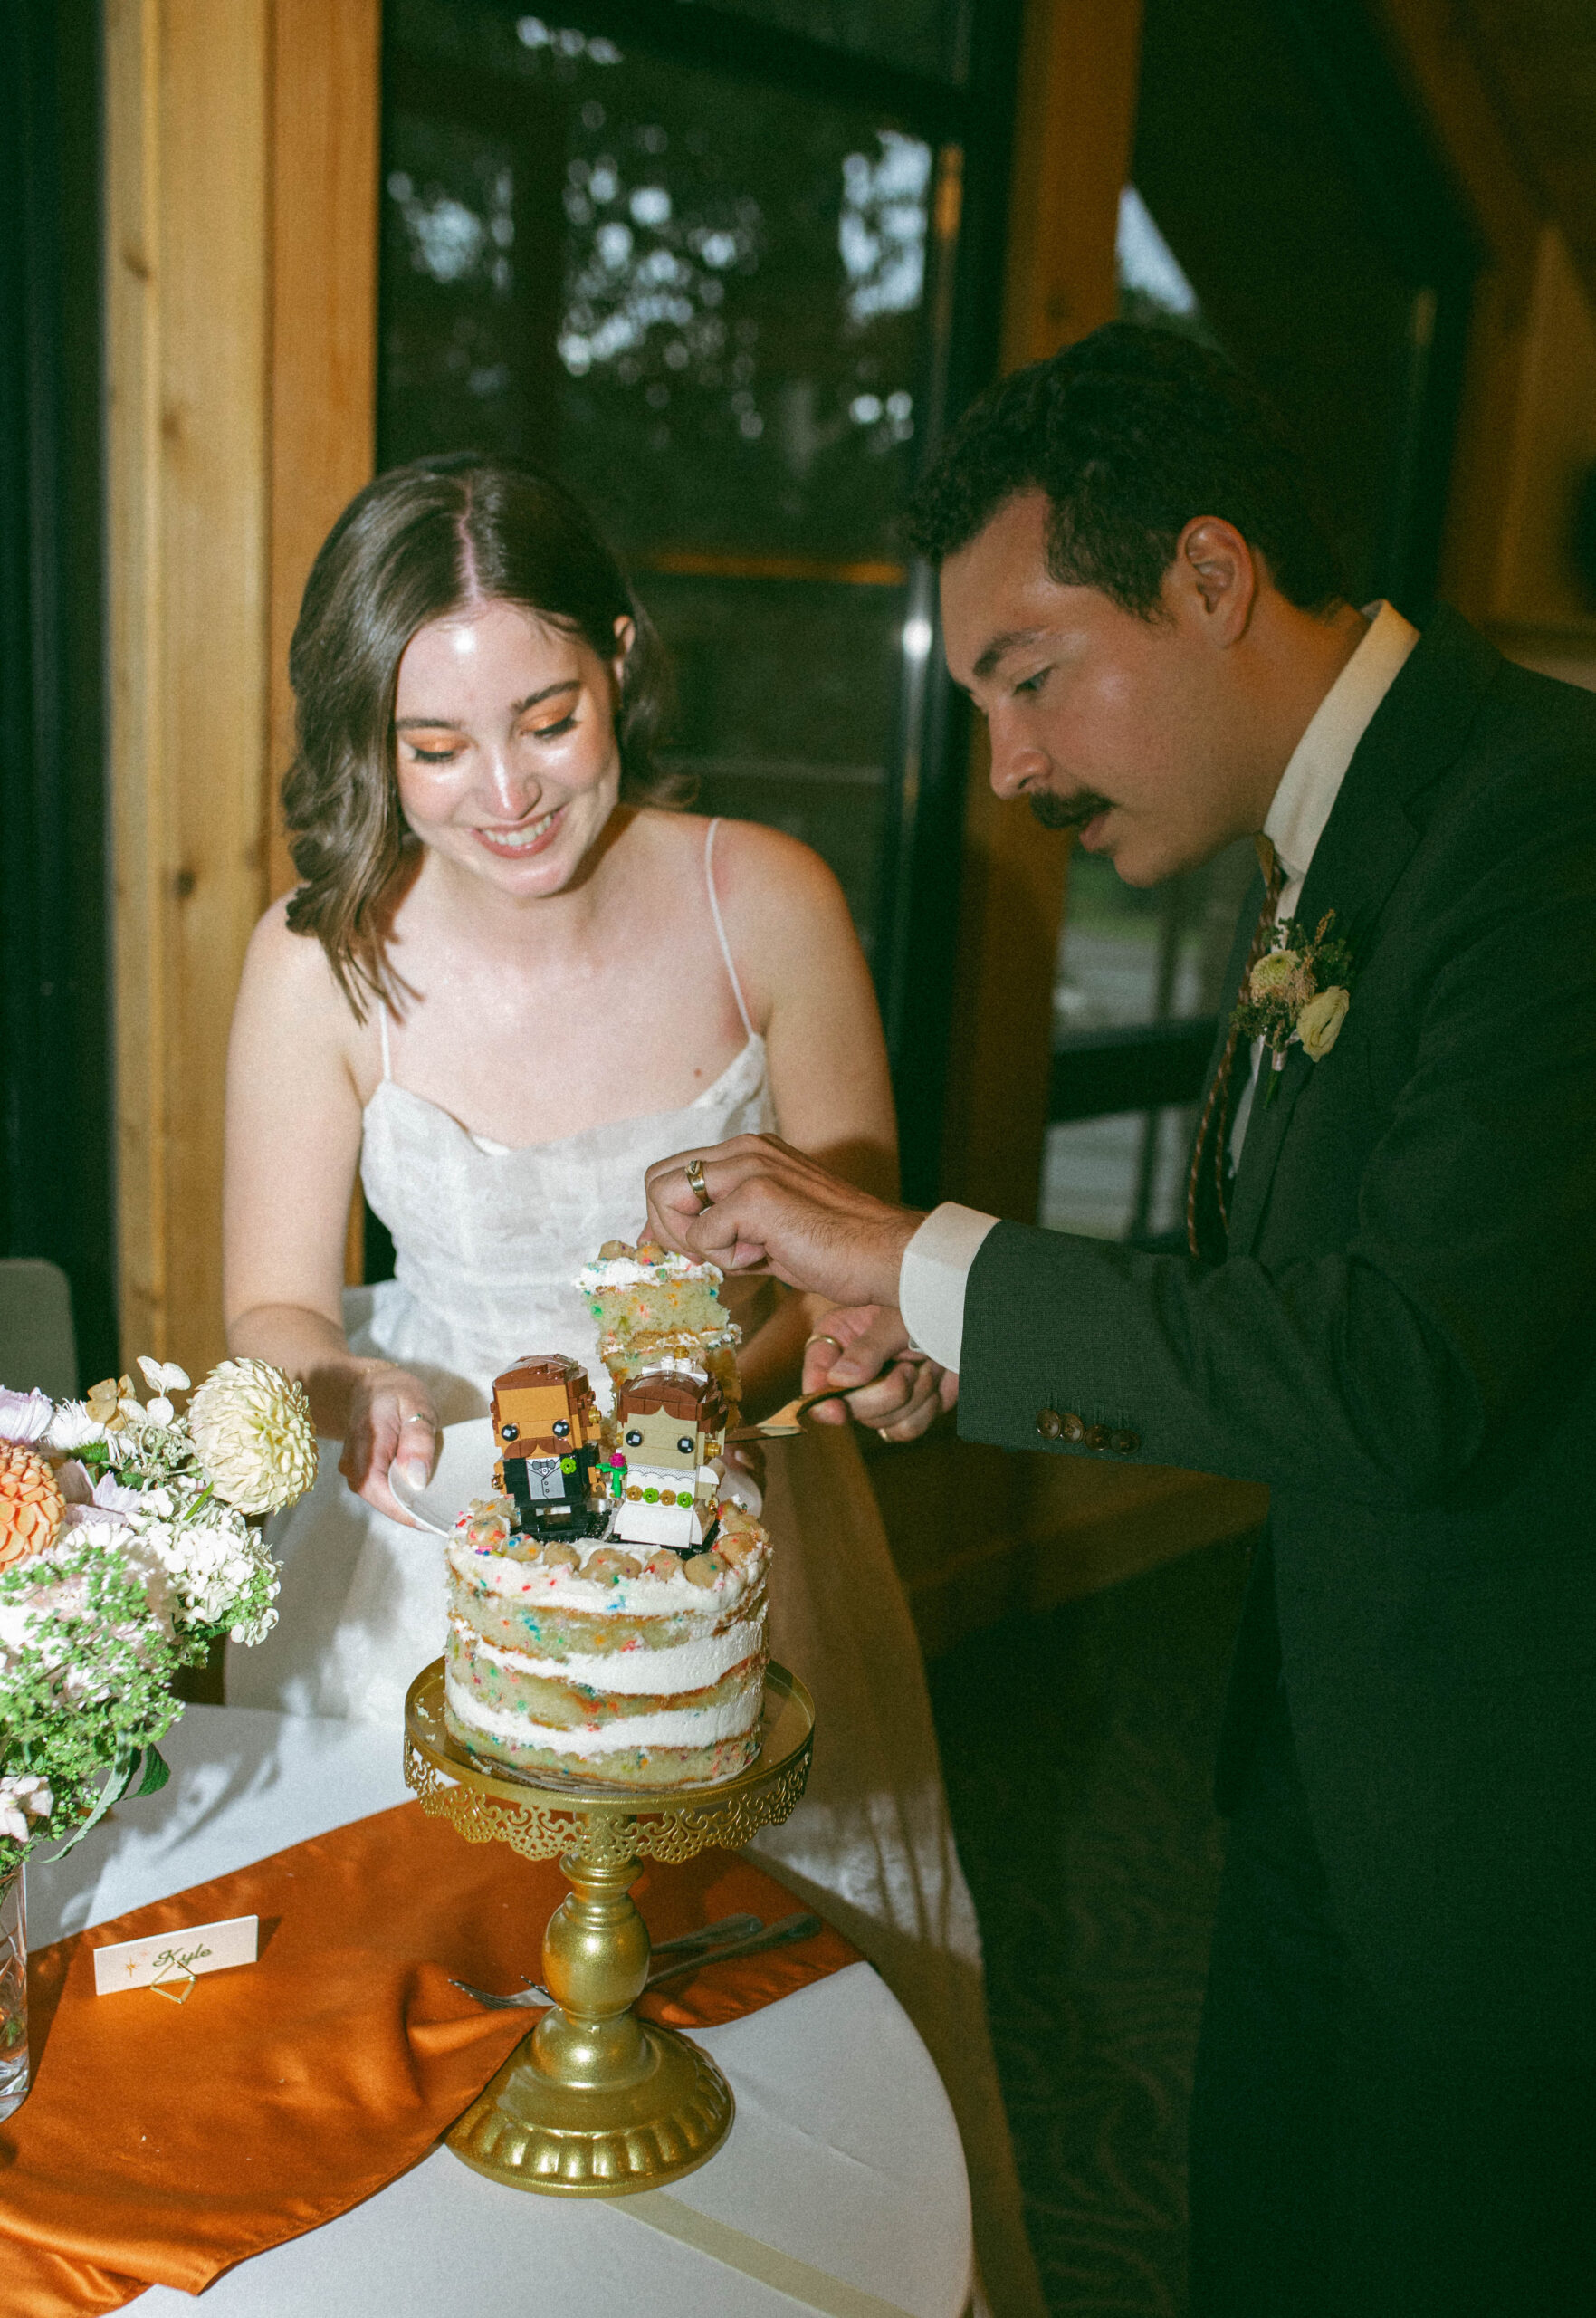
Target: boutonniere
[(1297, 993)]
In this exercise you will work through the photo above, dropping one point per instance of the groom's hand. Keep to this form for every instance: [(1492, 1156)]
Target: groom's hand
[(773, 1209), (881, 1380)]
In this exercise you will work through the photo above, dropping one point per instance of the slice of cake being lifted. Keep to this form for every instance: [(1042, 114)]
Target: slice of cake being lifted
[(656, 1310)]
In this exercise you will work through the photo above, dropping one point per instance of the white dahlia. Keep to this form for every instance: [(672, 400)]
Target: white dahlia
[(251, 1425)]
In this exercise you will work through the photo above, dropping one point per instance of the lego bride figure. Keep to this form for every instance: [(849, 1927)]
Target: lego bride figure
[(509, 980)]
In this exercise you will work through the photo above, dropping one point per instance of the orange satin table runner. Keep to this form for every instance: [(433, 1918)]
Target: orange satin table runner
[(163, 2142)]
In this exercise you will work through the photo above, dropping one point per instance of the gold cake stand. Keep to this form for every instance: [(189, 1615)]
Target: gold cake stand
[(594, 2102)]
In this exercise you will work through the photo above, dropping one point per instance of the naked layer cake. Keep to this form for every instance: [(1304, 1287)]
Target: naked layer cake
[(588, 1662), (607, 1611)]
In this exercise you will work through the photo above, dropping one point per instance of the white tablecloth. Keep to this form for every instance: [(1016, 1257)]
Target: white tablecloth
[(844, 2156)]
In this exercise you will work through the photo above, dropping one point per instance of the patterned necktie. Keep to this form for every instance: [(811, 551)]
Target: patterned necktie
[(1215, 1109)]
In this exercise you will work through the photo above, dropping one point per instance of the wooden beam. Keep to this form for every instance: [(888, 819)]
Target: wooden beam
[(241, 160), (1077, 119), (187, 109), (1075, 123), (1430, 42), (326, 130)]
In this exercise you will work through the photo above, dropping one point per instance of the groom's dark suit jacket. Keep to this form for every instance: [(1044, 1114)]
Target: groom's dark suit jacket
[(1401, 1340)]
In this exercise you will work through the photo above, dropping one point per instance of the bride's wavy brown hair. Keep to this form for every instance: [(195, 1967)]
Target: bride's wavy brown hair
[(420, 542)]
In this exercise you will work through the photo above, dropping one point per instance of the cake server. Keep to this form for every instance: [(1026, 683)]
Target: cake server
[(716, 1944), (785, 1422)]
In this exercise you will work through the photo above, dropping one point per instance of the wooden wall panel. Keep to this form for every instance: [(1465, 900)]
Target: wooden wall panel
[(241, 260), (1545, 457), (187, 91), (324, 207), (1532, 358)]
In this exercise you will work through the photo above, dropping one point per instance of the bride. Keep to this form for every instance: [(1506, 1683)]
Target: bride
[(509, 981)]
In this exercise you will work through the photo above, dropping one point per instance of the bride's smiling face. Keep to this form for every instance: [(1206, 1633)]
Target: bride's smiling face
[(505, 744)]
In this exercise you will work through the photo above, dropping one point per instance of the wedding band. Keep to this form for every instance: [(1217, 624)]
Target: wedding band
[(823, 1335), (696, 1183)]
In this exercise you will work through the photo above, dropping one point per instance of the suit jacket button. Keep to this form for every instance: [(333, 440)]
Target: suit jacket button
[(1049, 1424), (1098, 1436), (1127, 1443), (1073, 1429)]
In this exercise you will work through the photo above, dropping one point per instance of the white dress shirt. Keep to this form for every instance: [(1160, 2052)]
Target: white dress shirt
[(935, 1268)]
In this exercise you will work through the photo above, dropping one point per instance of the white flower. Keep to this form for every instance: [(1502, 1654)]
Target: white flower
[(198, 1573), (163, 1375), (24, 1417), (21, 1800), (252, 1427), (1318, 1026), (72, 1427)]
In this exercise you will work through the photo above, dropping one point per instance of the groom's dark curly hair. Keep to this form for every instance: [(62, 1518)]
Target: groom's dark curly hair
[(1131, 433)]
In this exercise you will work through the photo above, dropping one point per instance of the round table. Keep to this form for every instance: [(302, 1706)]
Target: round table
[(841, 2189)]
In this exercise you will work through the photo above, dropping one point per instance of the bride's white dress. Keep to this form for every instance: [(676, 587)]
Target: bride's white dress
[(487, 1241)]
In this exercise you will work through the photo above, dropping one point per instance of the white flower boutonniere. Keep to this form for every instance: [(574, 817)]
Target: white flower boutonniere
[(1297, 994)]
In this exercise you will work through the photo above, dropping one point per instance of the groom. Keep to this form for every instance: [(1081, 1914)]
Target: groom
[(1387, 1312)]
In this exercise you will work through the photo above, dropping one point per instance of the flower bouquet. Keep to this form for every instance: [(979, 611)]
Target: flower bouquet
[(129, 1543)]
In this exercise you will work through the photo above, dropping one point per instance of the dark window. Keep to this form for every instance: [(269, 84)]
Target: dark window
[(725, 273)]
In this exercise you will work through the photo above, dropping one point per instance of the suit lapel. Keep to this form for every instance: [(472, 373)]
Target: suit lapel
[(1369, 839)]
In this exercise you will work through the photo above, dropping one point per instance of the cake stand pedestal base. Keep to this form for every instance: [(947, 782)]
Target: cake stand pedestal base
[(531, 2132), (596, 2102)]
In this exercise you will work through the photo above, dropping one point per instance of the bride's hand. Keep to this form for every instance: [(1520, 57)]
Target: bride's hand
[(854, 1341), (391, 1418)]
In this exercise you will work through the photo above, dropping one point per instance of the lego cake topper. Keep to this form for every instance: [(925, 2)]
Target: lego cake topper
[(671, 1423), (546, 1434)]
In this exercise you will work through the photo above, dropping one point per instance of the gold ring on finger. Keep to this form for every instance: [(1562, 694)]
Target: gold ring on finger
[(696, 1183)]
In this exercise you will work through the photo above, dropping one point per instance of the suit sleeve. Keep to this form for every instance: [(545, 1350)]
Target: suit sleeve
[(1457, 1312)]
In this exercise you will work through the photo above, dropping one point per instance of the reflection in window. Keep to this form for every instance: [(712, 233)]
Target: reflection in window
[(1130, 955), (703, 302), (927, 36), (701, 299)]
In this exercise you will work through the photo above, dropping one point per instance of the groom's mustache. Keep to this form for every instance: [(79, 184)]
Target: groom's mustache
[(1066, 812)]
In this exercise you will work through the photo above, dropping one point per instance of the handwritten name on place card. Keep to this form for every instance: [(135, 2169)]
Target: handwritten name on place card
[(166, 1956)]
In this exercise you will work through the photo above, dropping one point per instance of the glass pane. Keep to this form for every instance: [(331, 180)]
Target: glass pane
[(922, 35), (703, 302), (1130, 955), (1118, 1177)]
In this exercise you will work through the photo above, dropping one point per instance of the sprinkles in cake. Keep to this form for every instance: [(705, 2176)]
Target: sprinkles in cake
[(607, 1619), (653, 1307)]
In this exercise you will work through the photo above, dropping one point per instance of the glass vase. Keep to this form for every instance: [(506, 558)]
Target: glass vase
[(14, 1991)]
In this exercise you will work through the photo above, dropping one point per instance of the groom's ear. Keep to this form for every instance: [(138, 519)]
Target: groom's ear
[(1214, 580)]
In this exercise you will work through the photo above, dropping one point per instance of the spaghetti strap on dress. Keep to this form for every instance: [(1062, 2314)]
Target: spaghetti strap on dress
[(487, 1241)]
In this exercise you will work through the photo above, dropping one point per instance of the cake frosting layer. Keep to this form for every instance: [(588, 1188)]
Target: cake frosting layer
[(573, 1663), (524, 1581), (673, 1726), (638, 1670)]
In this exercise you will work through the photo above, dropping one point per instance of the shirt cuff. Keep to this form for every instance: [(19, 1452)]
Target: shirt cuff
[(933, 1277)]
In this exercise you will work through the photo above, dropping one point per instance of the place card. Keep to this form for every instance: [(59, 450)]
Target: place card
[(171, 1961)]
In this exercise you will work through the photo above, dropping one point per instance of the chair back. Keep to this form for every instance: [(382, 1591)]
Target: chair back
[(37, 1343)]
